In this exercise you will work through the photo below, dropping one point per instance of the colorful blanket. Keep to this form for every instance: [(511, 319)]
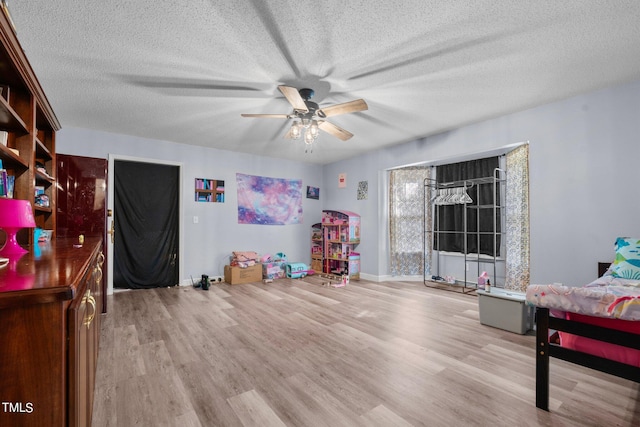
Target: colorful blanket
[(608, 296)]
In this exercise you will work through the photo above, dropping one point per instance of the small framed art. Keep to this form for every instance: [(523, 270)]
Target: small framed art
[(313, 192)]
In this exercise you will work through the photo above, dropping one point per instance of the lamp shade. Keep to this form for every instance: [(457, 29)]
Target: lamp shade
[(14, 215)]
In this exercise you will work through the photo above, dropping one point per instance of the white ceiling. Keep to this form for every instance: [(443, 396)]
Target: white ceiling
[(183, 71)]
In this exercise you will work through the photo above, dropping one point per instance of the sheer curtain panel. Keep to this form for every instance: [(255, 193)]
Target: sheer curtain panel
[(406, 216), (517, 218)]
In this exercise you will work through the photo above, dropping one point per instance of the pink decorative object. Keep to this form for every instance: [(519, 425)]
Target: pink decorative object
[(482, 280), (15, 214), (19, 274)]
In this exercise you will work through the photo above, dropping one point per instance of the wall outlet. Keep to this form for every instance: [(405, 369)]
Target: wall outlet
[(216, 279)]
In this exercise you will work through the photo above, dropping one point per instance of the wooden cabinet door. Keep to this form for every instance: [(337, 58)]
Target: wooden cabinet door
[(92, 324), (81, 358)]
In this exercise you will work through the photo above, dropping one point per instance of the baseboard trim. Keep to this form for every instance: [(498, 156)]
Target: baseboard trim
[(389, 278), (365, 276)]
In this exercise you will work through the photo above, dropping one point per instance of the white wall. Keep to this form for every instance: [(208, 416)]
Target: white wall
[(583, 185), (584, 153), (209, 243)]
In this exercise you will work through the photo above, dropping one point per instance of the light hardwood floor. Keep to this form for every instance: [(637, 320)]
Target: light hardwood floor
[(296, 353)]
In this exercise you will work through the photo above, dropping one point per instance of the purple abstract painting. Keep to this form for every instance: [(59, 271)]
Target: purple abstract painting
[(269, 201)]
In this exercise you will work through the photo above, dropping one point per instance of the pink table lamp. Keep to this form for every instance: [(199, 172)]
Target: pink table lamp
[(15, 214), (19, 275)]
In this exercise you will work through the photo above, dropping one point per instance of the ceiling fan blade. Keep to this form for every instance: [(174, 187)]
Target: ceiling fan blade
[(334, 130), (294, 98), (267, 116), (197, 87), (344, 108)]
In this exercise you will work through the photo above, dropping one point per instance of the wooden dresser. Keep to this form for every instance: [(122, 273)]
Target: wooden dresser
[(49, 330)]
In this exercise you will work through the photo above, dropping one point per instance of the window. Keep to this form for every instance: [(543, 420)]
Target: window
[(480, 222)]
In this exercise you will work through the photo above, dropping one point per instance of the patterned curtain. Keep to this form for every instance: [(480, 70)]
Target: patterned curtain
[(517, 217), (406, 218)]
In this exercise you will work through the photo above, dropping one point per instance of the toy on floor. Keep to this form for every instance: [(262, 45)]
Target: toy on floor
[(344, 281), (340, 281), (298, 270)]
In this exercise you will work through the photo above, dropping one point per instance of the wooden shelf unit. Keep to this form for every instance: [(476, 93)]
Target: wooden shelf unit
[(316, 247), (27, 117)]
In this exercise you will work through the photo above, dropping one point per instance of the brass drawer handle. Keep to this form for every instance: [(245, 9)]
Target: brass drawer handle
[(88, 298), (98, 275)]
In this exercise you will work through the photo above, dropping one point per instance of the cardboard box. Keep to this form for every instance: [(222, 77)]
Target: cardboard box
[(236, 275)]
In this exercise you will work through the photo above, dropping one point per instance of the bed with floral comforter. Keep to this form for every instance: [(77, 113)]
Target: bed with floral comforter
[(598, 325)]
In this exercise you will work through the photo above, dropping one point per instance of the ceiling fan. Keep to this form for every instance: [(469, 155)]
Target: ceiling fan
[(309, 117)]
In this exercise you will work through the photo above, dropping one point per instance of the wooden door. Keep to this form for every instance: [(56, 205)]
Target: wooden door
[(82, 202)]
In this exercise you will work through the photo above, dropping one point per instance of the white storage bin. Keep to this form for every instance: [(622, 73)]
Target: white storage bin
[(504, 309)]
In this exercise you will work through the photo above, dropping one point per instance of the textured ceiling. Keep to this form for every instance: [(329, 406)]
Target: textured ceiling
[(184, 71)]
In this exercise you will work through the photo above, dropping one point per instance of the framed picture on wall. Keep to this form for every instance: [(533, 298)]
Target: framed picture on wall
[(313, 192), (363, 190), (342, 180), (209, 190)]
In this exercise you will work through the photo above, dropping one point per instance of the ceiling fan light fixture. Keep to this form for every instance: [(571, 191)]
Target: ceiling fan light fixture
[(313, 129), (309, 138), (308, 117), (295, 130)]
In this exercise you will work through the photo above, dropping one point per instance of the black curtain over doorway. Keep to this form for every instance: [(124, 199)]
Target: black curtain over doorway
[(146, 225)]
